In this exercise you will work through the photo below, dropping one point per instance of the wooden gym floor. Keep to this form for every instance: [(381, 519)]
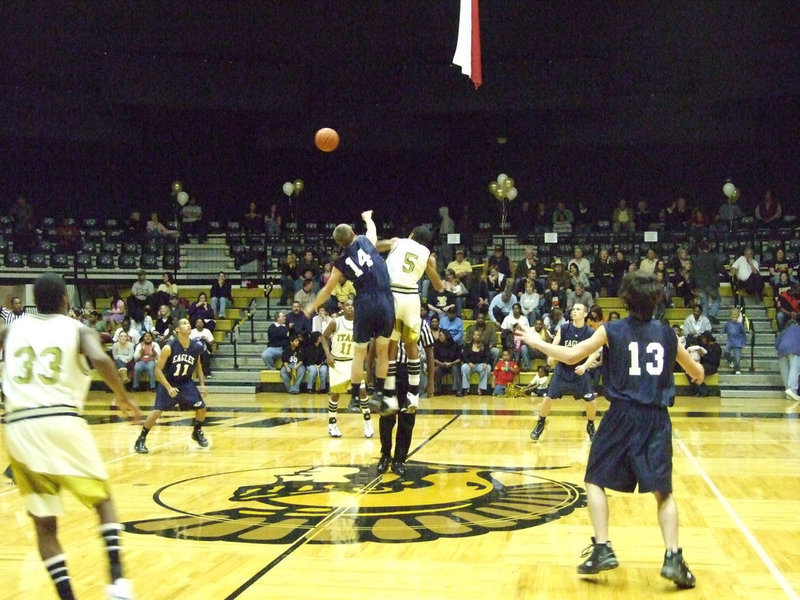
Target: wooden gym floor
[(275, 508)]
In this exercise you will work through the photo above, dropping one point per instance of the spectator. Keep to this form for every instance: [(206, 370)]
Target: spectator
[(145, 357), (156, 229), (562, 219), (221, 295), (778, 265), (475, 358), (321, 320), (729, 216), (495, 282), (455, 289), (277, 340), (141, 294), (525, 265), (24, 225), (307, 263), (342, 292), (745, 275), (604, 275), (699, 222), (135, 228), (163, 324), (513, 322), (788, 307), (480, 293), (678, 215), (642, 217), (501, 261), (542, 218), (288, 275), (177, 310), (452, 324), (554, 321), (503, 374), (579, 295), (553, 298), (293, 370), (595, 317), (529, 302), (297, 322), (666, 297), (200, 309), (710, 357), (578, 259), (316, 363), (501, 305), (576, 278), (768, 211), (68, 237), (648, 263), (273, 222), (165, 290), (123, 353), (559, 275), (539, 382), (488, 333), (735, 341), (461, 267), (253, 221), (192, 220), (447, 360), (127, 326), (542, 331), (203, 335), (117, 310), (583, 220), (706, 269), (620, 266), (695, 325), (306, 294), (623, 218), (788, 346)]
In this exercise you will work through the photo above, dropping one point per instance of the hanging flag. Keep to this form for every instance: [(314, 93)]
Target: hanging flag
[(468, 47)]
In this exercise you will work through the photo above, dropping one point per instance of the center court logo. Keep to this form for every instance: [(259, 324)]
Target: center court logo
[(350, 504)]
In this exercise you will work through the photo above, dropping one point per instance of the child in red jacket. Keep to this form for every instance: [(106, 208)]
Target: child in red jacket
[(504, 372)]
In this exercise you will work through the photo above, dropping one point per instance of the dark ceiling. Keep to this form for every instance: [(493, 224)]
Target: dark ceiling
[(229, 94)]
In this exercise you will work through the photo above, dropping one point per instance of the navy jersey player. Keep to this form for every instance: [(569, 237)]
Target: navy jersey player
[(177, 363), (361, 263), (633, 445), (571, 379)]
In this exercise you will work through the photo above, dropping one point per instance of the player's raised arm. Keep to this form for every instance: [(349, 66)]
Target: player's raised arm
[(372, 231), (384, 246), (567, 354)]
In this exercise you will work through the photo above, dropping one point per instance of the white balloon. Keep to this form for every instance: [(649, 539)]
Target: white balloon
[(288, 188), (511, 194), (728, 189), (501, 178), (183, 198)]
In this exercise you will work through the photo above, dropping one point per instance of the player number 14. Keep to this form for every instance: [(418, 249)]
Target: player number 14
[(363, 259), (653, 350)]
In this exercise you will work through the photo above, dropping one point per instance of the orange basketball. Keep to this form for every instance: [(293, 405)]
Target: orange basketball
[(326, 139)]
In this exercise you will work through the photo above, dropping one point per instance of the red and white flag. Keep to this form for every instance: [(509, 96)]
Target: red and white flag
[(468, 47)]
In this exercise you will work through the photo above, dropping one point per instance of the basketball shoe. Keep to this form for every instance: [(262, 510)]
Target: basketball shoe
[(139, 446), (333, 430), (590, 430), (413, 403), (200, 438), (538, 430), (121, 589), (675, 570), (599, 557), (368, 430)]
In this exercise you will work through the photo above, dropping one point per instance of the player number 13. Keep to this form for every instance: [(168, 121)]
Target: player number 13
[(653, 350)]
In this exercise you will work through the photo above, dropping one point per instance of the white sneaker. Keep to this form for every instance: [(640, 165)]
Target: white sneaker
[(738, 373), (121, 589), (368, 430), (792, 394), (413, 403), (333, 430)]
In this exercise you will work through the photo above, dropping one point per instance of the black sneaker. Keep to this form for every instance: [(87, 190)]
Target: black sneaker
[(398, 468), (537, 431), (200, 438), (590, 430), (383, 463), (9, 473), (355, 404), (675, 570), (600, 558), (383, 405), (139, 446)]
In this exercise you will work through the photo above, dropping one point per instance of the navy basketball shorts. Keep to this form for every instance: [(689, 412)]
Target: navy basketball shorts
[(633, 445), (580, 388), (188, 397), (374, 316)]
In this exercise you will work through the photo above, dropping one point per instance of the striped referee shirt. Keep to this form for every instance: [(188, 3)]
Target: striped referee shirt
[(425, 341), (9, 316)]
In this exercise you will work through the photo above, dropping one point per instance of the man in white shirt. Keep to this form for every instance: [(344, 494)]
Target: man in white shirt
[(200, 332), (745, 274), (516, 320)]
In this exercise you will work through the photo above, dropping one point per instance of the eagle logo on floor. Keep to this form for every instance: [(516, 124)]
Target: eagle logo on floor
[(350, 504)]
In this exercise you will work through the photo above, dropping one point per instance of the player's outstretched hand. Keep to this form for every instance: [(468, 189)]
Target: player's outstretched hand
[(366, 215), (309, 313), (129, 408), (528, 336)]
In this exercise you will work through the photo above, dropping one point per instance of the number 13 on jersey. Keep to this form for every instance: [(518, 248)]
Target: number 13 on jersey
[(654, 352)]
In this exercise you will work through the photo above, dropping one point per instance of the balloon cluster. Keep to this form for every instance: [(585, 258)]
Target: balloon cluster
[(730, 190), (293, 188), (503, 187), (180, 194)]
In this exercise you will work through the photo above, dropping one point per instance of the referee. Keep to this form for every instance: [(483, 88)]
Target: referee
[(405, 421)]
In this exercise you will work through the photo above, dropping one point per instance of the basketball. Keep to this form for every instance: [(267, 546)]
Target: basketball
[(326, 139)]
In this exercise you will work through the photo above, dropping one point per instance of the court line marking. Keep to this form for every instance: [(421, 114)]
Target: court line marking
[(309, 535), (759, 550)]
